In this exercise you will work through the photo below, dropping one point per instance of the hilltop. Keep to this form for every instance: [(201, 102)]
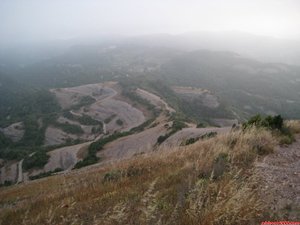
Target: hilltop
[(218, 180)]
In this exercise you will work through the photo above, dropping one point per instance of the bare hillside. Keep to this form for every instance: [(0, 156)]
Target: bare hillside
[(214, 181)]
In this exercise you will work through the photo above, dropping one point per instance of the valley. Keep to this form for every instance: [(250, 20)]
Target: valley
[(97, 111), (149, 112), (132, 112)]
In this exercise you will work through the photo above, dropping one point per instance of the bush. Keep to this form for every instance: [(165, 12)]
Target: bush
[(189, 141), (162, 138), (111, 176), (220, 165), (37, 160), (46, 174), (271, 122), (6, 183), (84, 101), (119, 122), (70, 128), (109, 119), (209, 135), (89, 160), (176, 126)]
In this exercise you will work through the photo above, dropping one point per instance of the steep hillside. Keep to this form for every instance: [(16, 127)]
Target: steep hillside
[(213, 181), (244, 86)]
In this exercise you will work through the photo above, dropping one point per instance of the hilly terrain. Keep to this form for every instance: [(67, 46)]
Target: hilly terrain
[(102, 103), (217, 180), (124, 133)]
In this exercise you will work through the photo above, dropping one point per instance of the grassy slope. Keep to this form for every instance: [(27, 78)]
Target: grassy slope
[(209, 182)]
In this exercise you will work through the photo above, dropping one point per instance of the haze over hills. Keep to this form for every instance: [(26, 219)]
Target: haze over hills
[(262, 48), (149, 112), (153, 87), (270, 87)]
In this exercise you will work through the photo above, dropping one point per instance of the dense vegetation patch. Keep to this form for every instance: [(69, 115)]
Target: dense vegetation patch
[(70, 128), (36, 160), (84, 119), (274, 123), (96, 146), (83, 101), (271, 122), (45, 174), (176, 126)]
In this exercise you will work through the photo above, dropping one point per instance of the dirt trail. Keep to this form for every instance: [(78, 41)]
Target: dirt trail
[(155, 100), (280, 174), (20, 171)]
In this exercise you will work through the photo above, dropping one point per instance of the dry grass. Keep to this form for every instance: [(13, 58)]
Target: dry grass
[(209, 182), (293, 126)]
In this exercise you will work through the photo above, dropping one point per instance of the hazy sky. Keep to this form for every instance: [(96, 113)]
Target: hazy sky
[(22, 20)]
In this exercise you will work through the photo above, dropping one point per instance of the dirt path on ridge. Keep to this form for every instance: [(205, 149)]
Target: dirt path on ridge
[(280, 174)]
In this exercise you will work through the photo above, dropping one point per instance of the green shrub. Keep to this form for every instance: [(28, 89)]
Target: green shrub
[(70, 128), (89, 160), (271, 122), (6, 183), (45, 174), (119, 122), (83, 101), (162, 138), (209, 135), (189, 141), (109, 119), (37, 160)]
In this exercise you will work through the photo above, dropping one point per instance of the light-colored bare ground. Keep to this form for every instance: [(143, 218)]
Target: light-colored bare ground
[(280, 177), (131, 145), (15, 131), (70, 96), (87, 129), (225, 122), (131, 116), (186, 133), (64, 158), (55, 136), (191, 90), (154, 99), (208, 99), (9, 172), (20, 171), (105, 104)]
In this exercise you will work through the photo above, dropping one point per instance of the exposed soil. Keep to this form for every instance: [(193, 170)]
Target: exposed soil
[(64, 158), (68, 97), (15, 131), (208, 99), (225, 122), (105, 105), (280, 175), (192, 132), (104, 109), (154, 99), (131, 145), (55, 136), (9, 172)]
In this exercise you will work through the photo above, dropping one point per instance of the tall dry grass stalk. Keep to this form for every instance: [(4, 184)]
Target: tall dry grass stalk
[(293, 126), (209, 182)]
